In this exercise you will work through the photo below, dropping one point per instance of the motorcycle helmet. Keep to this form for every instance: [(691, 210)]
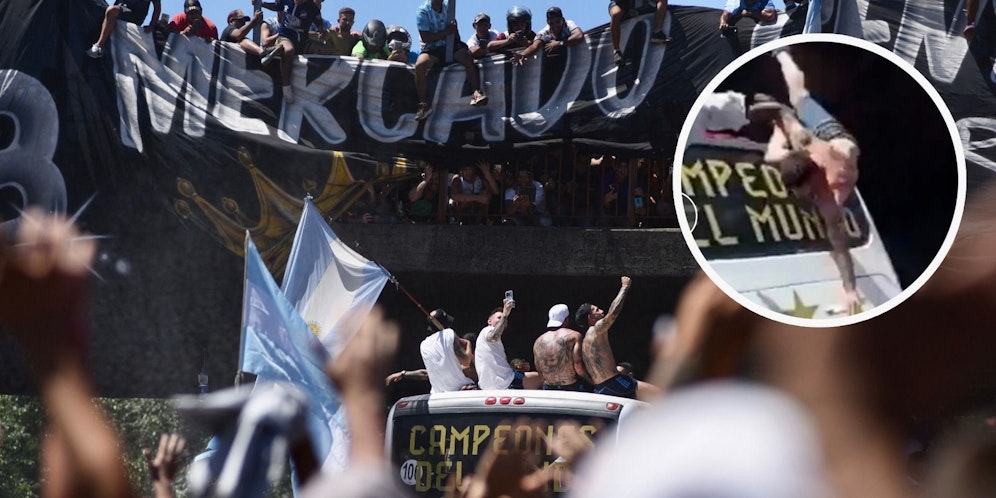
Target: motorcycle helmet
[(518, 14), (398, 33), (374, 34)]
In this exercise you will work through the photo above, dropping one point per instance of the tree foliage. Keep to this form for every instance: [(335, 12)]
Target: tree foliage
[(139, 422)]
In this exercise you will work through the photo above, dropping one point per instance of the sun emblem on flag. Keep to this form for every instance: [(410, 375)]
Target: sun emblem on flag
[(314, 328)]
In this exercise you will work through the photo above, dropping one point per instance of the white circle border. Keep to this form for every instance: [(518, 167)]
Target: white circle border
[(959, 165)]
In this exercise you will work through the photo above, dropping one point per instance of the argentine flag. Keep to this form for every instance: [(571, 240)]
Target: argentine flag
[(326, 280), (277, 346)]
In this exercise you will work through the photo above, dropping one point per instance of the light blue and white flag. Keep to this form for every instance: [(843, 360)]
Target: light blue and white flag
[(278, 346), (326, 280)]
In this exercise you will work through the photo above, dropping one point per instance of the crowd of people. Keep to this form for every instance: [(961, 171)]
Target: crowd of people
[(300, 29), (742, 405), (551, 189)]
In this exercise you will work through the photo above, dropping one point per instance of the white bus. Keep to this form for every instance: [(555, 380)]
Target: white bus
[(768, 245), (433, 436)]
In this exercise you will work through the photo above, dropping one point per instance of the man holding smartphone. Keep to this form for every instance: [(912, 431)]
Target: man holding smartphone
[(493, 369)]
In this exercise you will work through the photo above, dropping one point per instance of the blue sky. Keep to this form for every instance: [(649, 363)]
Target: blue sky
[(587, 13)]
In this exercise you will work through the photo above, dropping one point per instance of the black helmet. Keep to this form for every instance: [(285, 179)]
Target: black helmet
[(395, 32), (519, 14), (374, 34)]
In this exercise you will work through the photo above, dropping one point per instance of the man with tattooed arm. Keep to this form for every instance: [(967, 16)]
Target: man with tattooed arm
[(596, 351), (557, 354)]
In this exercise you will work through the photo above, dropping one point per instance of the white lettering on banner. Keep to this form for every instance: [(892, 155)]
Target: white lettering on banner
[(603, 74), (766, 32), (243, 86), (875, 31), (450, 104), (211, 78), (191, 58), (135, 63), (973, 148), (370, 105), (923, 25), (310, 98), (528, 117)]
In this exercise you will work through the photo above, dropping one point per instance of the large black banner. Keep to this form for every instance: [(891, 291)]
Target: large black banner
[(171, 153)]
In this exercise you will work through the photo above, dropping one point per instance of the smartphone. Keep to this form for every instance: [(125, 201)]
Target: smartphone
[(509, 296)]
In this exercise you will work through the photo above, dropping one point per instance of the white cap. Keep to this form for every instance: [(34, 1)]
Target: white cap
[(558, 315), (724, 111)]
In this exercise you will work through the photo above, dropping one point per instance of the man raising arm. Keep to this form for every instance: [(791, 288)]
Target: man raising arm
[(595, 348)]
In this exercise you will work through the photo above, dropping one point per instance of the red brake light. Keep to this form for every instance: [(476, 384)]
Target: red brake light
[(402, 404), (612, 406), (490, 400), (505, 400), (519, 401)]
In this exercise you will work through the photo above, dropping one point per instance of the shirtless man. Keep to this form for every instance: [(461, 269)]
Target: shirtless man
[(818, 159), (596, 351), (557, 354)]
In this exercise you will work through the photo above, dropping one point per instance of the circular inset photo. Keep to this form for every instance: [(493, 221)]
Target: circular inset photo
[(822, 180)]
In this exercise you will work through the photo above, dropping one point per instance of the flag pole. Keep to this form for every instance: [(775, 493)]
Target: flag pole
[(242, 329), (451, 39), (397, 285)]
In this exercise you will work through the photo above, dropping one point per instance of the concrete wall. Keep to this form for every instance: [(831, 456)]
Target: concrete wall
[(563, 251)]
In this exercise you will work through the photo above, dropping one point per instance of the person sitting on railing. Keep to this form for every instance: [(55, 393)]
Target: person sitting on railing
[(191, 22), (520, 33), (342, 37), (133, 11), (435, 27), (554, 38), (758, 10), (479, 42), (238, 29)]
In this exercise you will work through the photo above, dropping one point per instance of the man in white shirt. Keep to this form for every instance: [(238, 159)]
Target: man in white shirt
[(493, 370), (555, 37), (483, 35), (445, 356)]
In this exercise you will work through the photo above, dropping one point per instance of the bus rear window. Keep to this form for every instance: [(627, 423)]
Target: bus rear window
[(744, 210), (430, 448)]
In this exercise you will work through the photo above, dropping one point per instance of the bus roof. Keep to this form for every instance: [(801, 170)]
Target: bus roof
[(512, 401)]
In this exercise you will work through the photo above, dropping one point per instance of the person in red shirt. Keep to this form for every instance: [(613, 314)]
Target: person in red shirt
[(191, 22)]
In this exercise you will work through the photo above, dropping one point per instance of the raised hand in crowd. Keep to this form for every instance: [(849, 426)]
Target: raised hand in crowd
[(44, 306), (164, 464), (504, 471), (356, 373)]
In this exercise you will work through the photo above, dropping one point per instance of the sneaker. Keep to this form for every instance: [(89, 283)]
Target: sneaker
[(288, 94), (479, 99), (617, 58), (95, 51), (423, 111), (269, 53), (660, 37)]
